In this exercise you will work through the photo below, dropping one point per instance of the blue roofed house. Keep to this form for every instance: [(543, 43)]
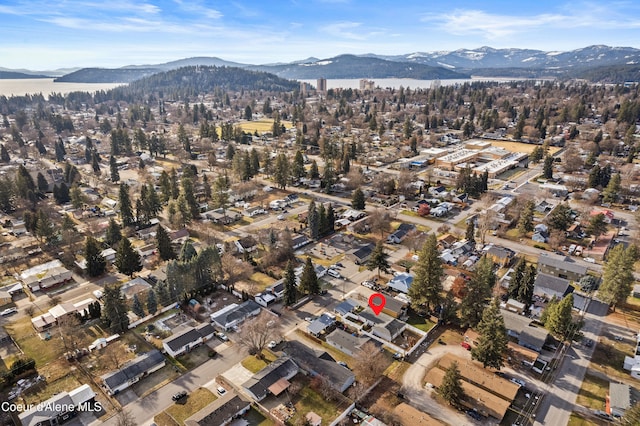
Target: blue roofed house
[(401, 282)]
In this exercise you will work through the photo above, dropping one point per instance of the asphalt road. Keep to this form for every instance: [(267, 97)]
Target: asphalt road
[(143, 410)]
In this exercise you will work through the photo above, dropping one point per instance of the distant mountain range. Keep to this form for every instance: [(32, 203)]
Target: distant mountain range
[(18, 75), (596, 63)]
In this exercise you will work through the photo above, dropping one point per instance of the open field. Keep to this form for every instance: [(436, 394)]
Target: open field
[(593, 392), (608, 358), (420, 323), (260, 126), (521, 147), (255, 418)]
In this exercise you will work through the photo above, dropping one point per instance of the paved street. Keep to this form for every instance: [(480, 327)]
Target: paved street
[(143, 410)]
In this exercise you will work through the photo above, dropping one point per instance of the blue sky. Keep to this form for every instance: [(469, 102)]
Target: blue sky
[(47, 34)]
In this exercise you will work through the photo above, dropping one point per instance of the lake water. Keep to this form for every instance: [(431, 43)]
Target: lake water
[(46, 86), (20, 87), (395, 83)]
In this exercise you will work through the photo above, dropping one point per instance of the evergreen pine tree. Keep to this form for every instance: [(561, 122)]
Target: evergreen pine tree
[(617, 277), (113, 167), (379, 259), (313, 220), (357, 199), (126, 210), (559, 319), (136, 306), (427, 284), (115, 309), (525, 224), (517, 277), (4, 154), (525, 292), (43, 185), (451, 388), (128, 260), (331, 220), (492, 340), (113, 234), (96, 263), (290, 290), (323, 225), (478, 293), (164, 244), (309, 282), (152, 302), (547, 168), (187, 252)]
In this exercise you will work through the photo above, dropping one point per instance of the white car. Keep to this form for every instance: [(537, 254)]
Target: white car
[(333, 273), (272, 344), (9, 311), (222, 337), (221, 391), (518, 382), (589, 260), (280, 217)]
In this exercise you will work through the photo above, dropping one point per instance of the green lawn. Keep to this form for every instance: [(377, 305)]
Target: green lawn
[(195, 402), (593, 392), (254, 364), (420, 323)]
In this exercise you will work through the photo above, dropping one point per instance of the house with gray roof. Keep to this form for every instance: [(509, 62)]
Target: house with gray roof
[(272, 379), (561, 267), (345, 342), (59, 408), (548, 286), (132, 371), (188, 339), (320, 364), (619, 399), (235, 314), (360, 255), (220, 412), (346, 307), (390, 330), (321, 324), (522, 328)]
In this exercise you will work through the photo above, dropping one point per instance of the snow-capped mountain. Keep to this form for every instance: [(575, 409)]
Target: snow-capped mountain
[(488, 57)]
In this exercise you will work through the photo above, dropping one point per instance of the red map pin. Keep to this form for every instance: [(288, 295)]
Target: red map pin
[(377, 302)]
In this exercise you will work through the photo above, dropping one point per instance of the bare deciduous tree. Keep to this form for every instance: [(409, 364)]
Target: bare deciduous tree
[(114, 355), (68, 326), (257, 332), (369, 364), (125, 418), (234, 270), (380, 221)]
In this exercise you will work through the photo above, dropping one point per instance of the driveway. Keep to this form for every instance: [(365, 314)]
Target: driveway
[(421, 398)]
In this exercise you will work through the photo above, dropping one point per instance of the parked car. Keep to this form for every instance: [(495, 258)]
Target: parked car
[(588, 343), (221, 391), (333, 273), (178, 396), (466, 345), (222, 336), (344, 364), (589, 260), (280, 217), (474, 414), (9, 311), (398, 356), (368, 284), (272, 344)]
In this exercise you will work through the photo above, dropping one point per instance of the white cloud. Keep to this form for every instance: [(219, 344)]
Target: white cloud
[(345, 30), (198, 8), (494, 26)]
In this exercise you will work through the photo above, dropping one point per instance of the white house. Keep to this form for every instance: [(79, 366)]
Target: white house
[(132, 371), (188, 339), (234, 314)]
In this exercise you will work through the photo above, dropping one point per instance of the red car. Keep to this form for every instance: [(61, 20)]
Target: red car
[(466, 345)]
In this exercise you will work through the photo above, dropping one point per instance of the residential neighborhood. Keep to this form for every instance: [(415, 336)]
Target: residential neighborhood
[(210, 259)]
